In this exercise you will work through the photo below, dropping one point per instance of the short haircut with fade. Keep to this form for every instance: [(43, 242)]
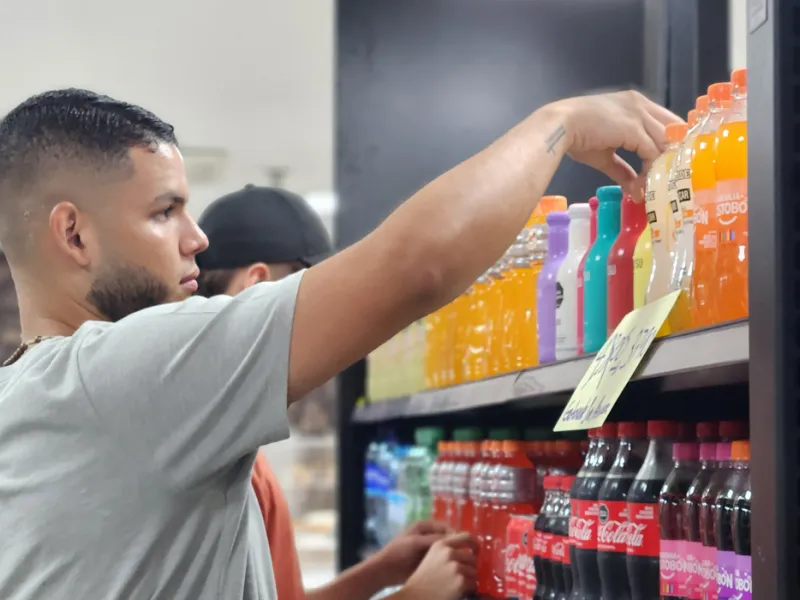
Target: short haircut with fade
[(66, 129)]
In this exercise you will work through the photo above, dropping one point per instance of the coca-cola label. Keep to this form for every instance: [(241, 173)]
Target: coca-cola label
[(546, 545), (693, 577), (531, 574), (672, 569), (708, 573), (516, 554), (613, 526), (583, 524), (643, 536), (559, 549), (726, 575), (743, 580)]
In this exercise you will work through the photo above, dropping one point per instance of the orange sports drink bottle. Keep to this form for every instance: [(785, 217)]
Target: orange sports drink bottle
[(706, 225), (731, 209)]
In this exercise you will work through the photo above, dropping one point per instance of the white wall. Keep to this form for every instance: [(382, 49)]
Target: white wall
[(252, 77), (737, 33)]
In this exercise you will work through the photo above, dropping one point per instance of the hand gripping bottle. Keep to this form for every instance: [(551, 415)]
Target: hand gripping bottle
[(585, 505), (613, 513), (643, 532), (730, 148), (741, 534), (548, 294), (593, 206), (595, 273), (620, 262), (580, 216), (543, 538), (706, 225), (727, 561), (672, 547)]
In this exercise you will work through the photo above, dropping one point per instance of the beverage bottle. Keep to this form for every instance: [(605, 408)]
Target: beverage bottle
[(385, 479), (594, 203), (559, 545), (495, 315), (513, 493), (519, 298), (543, 538), (485, 518), (643, 532), (595, 273), (642, 266), (519, 560), (397, 493), (707, 517), (730, 148), (534, 450), (620, 261), (566, 457), (418, 464), (706, 225), (476, 476), (613, 512), (567, 281), (672, 552), (741, 535), (477, 362), (707, 435), (548, 295), (658, 215), (681, 202), (371, 492), (460, 514), (565, 555), (585, 515), (435, 480), (727, 561)]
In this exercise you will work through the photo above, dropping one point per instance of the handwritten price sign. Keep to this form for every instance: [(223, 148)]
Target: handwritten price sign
[(614, 366)]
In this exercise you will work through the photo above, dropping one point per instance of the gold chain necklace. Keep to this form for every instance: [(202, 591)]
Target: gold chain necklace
[(24, 347)]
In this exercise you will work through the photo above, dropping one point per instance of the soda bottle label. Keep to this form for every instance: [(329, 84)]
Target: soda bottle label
[(693, 577), (743, 580), (726, 574), (531, 570), (559, 549), (672, 568), (612, 531), (583, 524), (546, 545), (708, 573), (644, 537)]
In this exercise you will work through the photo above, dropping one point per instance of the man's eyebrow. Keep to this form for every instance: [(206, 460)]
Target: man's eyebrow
[(172, 197)]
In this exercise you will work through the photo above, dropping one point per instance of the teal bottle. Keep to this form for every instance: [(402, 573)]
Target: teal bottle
[(595, 290)]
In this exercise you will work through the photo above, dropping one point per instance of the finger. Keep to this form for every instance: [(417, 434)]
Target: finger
[(461, 540), (464, 557), (469, 579), (661, 114), (617, 168), (638, 140), (427, 527), (636, 188), (423, 542)]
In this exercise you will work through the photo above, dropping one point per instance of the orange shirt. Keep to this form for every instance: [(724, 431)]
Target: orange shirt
[(280, 534)]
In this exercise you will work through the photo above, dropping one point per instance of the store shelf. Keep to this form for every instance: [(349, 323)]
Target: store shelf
[(693, 360)]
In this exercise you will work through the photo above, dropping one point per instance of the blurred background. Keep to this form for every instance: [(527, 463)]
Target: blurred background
[(250, 86)]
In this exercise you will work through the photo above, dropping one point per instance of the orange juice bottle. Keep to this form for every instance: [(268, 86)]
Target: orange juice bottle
[(706, 224), (495, 344), (476, 330), (460, 317), (681, 201), (519, 331), (731, 209)]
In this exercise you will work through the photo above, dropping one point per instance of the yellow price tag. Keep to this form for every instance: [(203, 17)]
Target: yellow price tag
[(613, 367)]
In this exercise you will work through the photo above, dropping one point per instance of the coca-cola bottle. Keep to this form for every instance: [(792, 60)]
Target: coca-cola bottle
[(741, 539), (728, 578), (672, 554), (708, 435), (613, 514), (543, 537), (559, 544), (585, 510), (643, 533), (567, 481)]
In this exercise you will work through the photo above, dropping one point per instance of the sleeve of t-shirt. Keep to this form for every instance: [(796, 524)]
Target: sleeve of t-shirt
[(197, 385)]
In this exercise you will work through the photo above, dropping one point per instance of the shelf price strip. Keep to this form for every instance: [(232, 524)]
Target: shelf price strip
[(614, 366)]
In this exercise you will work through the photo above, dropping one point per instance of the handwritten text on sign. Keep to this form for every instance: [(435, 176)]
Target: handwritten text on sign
[(613, 367)]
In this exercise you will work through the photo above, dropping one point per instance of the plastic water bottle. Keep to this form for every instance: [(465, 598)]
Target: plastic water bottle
[(371, 492)]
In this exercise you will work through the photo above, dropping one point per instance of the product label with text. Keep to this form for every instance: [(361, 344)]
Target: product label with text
[(559, 549), (708, 573), (583, 524), (672, 569), (743, 582), (529, 583), (613, 526), (693, 575), (643, 536), (726, 575)]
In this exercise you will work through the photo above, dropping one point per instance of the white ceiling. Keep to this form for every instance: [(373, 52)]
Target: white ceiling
[(252, 78)]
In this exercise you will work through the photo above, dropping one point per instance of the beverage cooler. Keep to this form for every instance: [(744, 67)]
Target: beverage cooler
[(689, 488)]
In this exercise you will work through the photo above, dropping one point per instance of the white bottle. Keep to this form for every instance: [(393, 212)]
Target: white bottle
[(580, 216)]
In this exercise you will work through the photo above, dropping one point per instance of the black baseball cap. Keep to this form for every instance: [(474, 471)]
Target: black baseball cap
[(262, 224)]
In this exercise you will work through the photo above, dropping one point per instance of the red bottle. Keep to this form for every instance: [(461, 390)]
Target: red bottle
[(593, 204), (620, 261)]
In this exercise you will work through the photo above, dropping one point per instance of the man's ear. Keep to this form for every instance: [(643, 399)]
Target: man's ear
[(71, 232), (256, 273)]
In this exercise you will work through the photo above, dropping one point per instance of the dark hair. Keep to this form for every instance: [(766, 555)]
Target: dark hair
[(65, 128), (214, 282)]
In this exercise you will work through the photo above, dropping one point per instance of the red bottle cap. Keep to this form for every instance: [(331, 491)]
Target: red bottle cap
[(733, 430), (632, 429), (685, 451), (720, 92), (592, 433), (607, 430), (686, 432), (707, 431), (662, 429), (740, 450), (566, 482), (552, 482), (594, 203), (702, 105), (739, 79)]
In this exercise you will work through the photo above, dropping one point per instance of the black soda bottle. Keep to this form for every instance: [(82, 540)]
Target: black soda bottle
[(727, 561)]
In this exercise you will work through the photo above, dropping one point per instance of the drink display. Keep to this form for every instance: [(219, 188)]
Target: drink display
[(519, 560), (642, 266), (585, 507), (417, 466), (674, 584), (543, 539), (519, 296), (643, 540), (437, 477), (460, 511), (706, 226), (548, 294), (564, 551), (595, 274), (613, 510), (728, 577), (743, 583), (593, 206), (567, 281), (633, 220), (730, 150), (707, 518)]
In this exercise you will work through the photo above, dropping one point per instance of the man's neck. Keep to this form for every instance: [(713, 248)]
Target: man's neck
[(44, 318)]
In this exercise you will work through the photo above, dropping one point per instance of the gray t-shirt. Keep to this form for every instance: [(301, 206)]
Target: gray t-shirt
[(126, 452)]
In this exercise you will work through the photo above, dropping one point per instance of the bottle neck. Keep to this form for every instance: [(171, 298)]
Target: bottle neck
[(608, 219), (579, 235), (558, 241)]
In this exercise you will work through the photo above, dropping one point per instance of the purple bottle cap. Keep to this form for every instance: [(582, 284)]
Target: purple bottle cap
[(685, 451), (557, 218), (708, 451), (723, 451)]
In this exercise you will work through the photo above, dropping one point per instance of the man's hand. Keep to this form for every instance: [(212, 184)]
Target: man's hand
[(447, 572), (400, 558)]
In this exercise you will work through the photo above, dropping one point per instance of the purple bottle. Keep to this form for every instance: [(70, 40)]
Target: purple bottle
[(548, 294)]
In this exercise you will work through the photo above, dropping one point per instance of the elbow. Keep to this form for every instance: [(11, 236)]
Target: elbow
[(427, 290)]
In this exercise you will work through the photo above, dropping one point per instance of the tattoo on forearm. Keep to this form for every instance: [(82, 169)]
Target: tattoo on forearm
[(555, 137)]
